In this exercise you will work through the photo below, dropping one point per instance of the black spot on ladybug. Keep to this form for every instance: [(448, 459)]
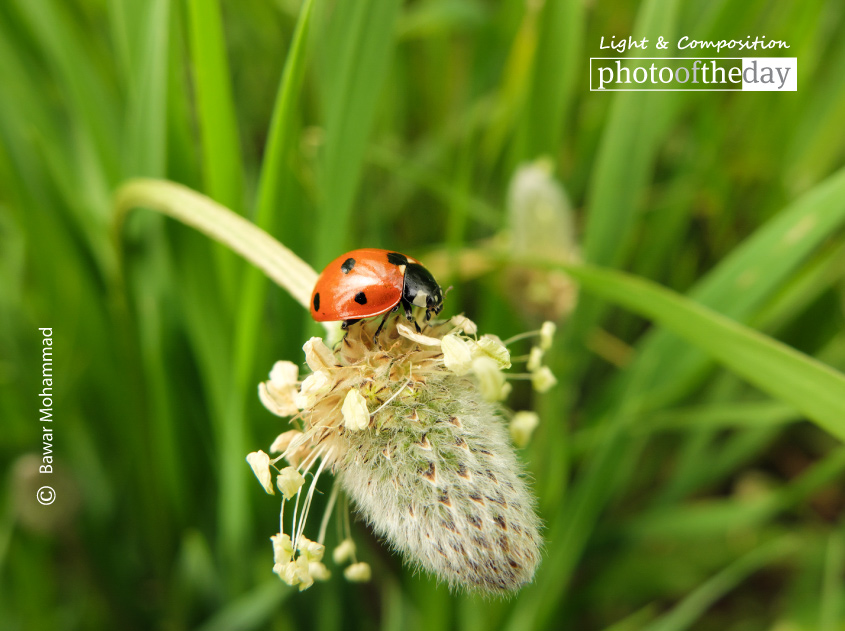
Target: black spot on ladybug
[(347, 266), (316, 302), (397, 259), (360, 298)]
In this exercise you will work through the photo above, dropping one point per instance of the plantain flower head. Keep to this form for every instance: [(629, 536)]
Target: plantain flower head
[(412, 429)]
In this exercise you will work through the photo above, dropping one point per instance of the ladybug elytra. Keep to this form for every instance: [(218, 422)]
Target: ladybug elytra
[(369, 282)]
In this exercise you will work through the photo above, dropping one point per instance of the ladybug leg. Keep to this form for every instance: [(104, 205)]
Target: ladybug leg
[(381, 326), (410, 315)]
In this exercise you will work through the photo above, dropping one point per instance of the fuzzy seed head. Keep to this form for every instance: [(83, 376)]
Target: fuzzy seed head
[(450, 497), (541, 224), (413, 433)]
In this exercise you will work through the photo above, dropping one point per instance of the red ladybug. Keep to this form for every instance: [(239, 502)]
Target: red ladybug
[(369, 282)]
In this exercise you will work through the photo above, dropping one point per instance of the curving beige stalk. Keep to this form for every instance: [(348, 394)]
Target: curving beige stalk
[(221, 224)]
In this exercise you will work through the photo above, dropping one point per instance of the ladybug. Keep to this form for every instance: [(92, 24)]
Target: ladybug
[(369, 282)]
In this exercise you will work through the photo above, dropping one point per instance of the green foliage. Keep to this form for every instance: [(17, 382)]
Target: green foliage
[(688, 465)]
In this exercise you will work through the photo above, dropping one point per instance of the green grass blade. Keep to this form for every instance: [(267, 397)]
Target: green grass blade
[(811, 387), (361, 38), (218, 124), (93, 105), (557, 64), (147, 120), (221, 149), (636, 621), (701, 520), (280, 138), (224, 226), (628, 148), (636, 125), (754, 414), (576, 517), (816, 143), (833, 586), (691, 608), (253, 610), (233, 507), (751, 274)]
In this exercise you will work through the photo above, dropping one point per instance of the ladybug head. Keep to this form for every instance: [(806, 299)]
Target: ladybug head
[(421, 290)]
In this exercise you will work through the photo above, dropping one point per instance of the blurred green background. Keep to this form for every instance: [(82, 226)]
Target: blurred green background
[(675, 495)]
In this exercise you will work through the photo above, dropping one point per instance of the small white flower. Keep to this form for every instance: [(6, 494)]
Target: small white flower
[(279, 403), (535, 359), (288, 573), (457, 354), (260, 463), (419, 338), (282, 549), (465, 324), (547, 333), (311, 550), (279, 394), (296, 573), (492, 346), (293, 445), (542, 379), (313, 388), (356, 415), (358, 572), (522, 426), (284, 374), (491, 381), (303, 573), (318, 356), (319, 571), (289, 482), (283, 440), (344, 551)]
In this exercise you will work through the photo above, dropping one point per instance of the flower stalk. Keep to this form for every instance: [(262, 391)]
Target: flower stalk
[(218, 222)]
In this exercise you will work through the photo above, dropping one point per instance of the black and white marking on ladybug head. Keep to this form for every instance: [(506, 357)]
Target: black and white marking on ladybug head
[(347, 266), (421, 290)]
